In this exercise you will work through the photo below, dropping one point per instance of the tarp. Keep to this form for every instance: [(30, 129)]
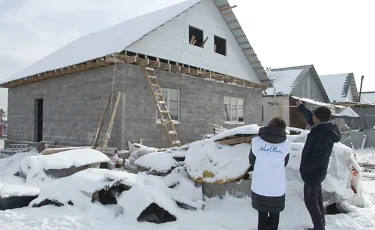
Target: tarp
[(346, 113)]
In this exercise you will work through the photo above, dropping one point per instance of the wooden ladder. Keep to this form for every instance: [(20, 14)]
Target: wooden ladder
[(162, 107)]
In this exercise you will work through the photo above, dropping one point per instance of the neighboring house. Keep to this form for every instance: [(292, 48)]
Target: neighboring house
[(368, 97), (196, 46), (341, 88), (299, 81), (2, 123)]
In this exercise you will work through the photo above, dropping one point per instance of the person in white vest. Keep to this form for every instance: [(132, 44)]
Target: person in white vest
[(269, 155)]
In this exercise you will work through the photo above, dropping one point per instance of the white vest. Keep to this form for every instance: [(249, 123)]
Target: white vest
[(269, 176)]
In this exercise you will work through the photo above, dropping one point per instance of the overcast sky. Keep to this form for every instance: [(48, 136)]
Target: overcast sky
[(336, 35)]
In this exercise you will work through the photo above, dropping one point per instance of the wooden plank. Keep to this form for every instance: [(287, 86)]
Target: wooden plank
[(237, 28), (111, 123), (192, 39), (204, 42), (113, 60), (101, 122), (227, 14), (236, 140), (223, 6), (92, 65), (241, 36)]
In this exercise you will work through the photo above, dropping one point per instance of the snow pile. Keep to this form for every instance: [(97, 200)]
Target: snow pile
[(136, 151), (158, 161), (11, 165), (33, 165)]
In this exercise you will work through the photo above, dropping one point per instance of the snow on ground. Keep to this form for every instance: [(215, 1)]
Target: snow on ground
[(219, 214)]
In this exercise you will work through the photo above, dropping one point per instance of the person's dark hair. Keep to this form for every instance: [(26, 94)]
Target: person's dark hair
[(323, 114), (277, 122)]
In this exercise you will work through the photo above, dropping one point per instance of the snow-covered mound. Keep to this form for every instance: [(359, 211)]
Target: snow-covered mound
[(158, 161), (211, 162), (10, 190), (33, 165), (80, 188), (147, 202)]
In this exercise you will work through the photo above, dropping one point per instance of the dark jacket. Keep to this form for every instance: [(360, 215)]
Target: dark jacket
[(261, 203), (317, 149)]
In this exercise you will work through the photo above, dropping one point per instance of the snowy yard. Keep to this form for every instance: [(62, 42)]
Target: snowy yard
[(228, 213), (1, 144)]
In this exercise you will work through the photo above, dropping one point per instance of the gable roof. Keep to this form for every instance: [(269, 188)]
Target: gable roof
[(286, 79), (338, 85), (107, 41), (368, 97)]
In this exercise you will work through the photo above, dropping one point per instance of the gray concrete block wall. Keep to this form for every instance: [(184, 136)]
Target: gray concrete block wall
[(73, 105)]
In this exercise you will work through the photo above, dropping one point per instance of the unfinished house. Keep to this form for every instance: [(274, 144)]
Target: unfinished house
[(190, 62), (300, 82), (341, 88)]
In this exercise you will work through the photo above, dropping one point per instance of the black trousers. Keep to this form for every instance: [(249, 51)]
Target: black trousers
[(268, 221), (314, 204)]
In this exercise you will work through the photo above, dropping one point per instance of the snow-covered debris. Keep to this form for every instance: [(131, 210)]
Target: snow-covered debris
[(337, 187), (33, 165), (210, 162), (145, 202), (158, 161)]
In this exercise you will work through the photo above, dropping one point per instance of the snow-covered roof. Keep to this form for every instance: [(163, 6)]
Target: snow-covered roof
[(368, 97), (338, 85), (286, 79), (283, 80), (116, 39), (346, 113)]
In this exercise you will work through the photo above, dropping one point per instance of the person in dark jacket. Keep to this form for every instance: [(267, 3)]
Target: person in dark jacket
[(269, 155), (315, 160)]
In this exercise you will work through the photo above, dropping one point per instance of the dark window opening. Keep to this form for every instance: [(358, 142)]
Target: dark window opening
[(195, 36), (142, 56), (220, 45), (38, 129)]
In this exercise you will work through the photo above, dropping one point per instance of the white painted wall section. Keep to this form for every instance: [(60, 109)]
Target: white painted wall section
[(270, 111), (349, 96), (171, 42)]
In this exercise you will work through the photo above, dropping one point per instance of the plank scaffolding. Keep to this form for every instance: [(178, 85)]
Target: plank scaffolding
[(161, 106)]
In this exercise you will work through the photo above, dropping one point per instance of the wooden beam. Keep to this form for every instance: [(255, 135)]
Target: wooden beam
[(176, 68), (194, 72), (223, 6), (143, 62), (165, 66), (91, 65), (185, 70), (127, 59), (205, 74), (236, 28), (101, 62), (232, 21), (113, 60), (243, 43), (227, 8), (155, 64)]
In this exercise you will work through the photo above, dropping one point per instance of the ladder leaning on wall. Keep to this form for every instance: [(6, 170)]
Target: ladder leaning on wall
[(161, 106)]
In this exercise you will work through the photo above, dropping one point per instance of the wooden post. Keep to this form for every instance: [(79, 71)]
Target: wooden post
[(111, 123), (101, 123)]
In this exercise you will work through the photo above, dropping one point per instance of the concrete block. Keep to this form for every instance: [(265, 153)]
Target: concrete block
[(239, 189)]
